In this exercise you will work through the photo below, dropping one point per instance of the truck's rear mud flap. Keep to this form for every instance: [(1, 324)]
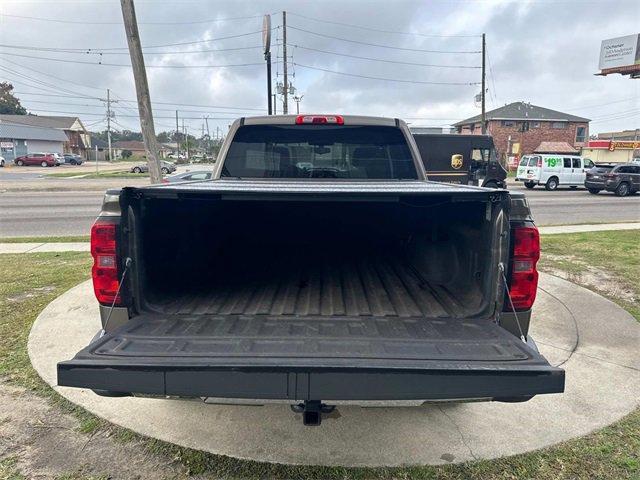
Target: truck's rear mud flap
[(264, 357)]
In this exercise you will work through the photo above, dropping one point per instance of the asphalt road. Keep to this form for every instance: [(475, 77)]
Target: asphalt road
[(42, 213)]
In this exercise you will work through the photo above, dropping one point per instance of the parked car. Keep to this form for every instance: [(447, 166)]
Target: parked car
[(1, 161), (553, 171), (72, 159), (622, 179), (317, 264), (175, 156), (42, 159), (58, 157), (189, 176), (165, 167)]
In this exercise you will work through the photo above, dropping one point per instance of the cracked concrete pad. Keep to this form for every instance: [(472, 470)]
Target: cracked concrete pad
[(592, 338)]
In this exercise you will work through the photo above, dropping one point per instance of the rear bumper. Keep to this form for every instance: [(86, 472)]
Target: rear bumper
[(314, 384), (595, 185)]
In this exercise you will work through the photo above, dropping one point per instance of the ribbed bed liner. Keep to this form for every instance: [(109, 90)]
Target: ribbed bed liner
[(370, 286)]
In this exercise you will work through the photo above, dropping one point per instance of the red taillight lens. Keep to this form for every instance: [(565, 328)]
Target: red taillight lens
[(524, 276), (306, 119), (105, 263)]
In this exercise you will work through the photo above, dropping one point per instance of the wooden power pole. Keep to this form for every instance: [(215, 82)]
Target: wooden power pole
[(142, 89)]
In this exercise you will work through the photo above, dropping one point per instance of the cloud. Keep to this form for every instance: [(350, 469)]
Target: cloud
[(542, 51)]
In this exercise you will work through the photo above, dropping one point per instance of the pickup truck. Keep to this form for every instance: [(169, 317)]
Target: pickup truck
[(318, 266)]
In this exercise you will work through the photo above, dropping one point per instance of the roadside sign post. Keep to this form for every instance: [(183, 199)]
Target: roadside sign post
[(96, 159), (266, 44)]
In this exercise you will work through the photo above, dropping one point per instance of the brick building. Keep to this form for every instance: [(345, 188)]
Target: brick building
[(520, 128)]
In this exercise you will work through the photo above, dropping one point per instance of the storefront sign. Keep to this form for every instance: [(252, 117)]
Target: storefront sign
[(624, 145), (7, 145)]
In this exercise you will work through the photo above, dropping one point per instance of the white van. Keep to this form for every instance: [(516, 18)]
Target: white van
[(553, 170)]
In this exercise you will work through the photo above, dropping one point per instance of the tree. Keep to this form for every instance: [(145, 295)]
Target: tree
[(9, 104), (126, 153)]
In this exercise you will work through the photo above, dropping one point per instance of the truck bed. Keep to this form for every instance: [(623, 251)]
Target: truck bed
[(378, 285)]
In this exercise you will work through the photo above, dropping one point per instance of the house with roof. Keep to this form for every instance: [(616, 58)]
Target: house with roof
[(520, 128), (136, 147), (18, 139), (78, 139)]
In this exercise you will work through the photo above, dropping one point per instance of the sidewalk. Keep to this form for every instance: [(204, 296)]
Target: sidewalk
[(35, 247), (552, 230), (84, 247)]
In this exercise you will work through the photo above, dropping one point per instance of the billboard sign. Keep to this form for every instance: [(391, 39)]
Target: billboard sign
[(620, 52)]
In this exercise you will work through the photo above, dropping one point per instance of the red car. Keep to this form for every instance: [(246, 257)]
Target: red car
[(42, 159)]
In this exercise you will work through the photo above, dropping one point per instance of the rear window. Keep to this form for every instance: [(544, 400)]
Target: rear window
[(529, 161), (319, 151), (601, 169)]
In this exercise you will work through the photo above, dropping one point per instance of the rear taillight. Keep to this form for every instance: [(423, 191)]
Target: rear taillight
[(306, 119), (105, 263), (524, 276)]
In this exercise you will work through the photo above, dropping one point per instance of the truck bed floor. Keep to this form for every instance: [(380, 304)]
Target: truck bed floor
[(372, 286)]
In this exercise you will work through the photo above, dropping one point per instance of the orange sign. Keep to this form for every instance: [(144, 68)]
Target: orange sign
[(624, 145)]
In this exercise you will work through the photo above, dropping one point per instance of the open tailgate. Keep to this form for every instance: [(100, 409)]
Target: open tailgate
[(262, 357)]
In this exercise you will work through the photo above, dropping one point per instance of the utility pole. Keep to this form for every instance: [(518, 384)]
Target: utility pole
[(109, 124), (484, 113), (177, 135), (274, 104), (206, 120), (142, 89), (285, 102)]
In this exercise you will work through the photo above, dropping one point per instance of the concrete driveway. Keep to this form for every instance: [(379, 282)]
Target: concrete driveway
[(592, 338)]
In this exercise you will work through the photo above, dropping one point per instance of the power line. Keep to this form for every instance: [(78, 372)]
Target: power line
[(383, 60), (194, 22), (100, 63), (381, 45), (157, 103), (130, 116), (52, 76), (385, 79), (98, 52), (372, 29)]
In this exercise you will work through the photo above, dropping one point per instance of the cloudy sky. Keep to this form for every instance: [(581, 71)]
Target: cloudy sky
[(204, 58)]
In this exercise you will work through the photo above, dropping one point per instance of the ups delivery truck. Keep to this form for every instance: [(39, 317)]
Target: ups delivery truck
[(462, 159)]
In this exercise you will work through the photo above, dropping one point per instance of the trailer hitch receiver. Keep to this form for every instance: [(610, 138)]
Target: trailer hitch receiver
[(312, 411)]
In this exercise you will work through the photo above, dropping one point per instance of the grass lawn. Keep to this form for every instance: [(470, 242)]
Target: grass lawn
[(67, 239), (31, 281), (605, 262)]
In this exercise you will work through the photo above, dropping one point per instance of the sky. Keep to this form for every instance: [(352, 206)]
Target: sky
[(414, 60)]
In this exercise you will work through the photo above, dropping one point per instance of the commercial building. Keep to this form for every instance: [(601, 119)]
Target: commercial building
[(17, 140), (520, 128), (77, 141), (612, 151)]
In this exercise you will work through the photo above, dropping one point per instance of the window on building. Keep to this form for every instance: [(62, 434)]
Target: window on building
[(535, 124), (508, 123), (581, 134), (558, 125)]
